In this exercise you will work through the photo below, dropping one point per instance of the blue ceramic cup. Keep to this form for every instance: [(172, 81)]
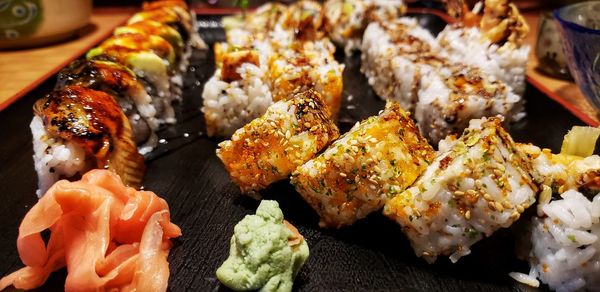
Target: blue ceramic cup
[(580, 30)]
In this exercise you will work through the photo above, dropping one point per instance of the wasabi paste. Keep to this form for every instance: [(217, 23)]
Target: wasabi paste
[(266, 252)]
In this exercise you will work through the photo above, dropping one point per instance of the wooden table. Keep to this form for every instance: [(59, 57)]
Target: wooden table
[(23, 70)]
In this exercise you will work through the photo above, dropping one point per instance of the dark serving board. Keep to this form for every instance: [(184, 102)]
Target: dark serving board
[(373, 254)]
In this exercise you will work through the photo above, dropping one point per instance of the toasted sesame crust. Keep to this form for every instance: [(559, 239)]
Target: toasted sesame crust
[(269, 148)]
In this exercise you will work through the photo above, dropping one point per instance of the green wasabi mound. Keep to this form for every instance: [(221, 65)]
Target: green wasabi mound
[(266, 252)]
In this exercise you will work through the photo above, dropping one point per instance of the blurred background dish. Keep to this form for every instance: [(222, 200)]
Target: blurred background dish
[(580, 30), (27, 23), (548, 48)]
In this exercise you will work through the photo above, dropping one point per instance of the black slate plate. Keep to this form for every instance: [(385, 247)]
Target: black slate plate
[(371, 255)]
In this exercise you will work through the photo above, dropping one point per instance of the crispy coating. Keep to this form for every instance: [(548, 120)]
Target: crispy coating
[(270, 147), (379, 157), (477, 184)]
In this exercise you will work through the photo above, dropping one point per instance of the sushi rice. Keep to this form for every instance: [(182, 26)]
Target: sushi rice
[(404, 62), (54, 158), (566, 248), (478, 184), (359, 172), (506, 63)]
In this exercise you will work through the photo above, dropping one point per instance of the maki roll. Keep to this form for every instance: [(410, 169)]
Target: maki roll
[(477, 184), (158, 29), (151, 58), (346, 20), (379, 157), (270, 147), (449, 97), (237, 93), (120, 82), (261, 20), (395, 56), (307, 65), (491, 38), (403, 62), (175, 14), (304, 19), (76, 129), (565, 247)]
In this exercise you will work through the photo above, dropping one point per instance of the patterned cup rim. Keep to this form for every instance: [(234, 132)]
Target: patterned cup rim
[(572, 25)]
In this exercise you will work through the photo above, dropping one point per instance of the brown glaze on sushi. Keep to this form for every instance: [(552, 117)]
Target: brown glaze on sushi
[(94, 121)]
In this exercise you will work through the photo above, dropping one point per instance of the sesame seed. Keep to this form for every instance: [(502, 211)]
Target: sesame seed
[(343, 174), (478, 183), (459, 193), (487, 197), (470, 192), (499, 206), (373, 187), (492, 206), (520, 208), (468, 214), (507, 205), (353, 142), (515, 215), (373, 140)]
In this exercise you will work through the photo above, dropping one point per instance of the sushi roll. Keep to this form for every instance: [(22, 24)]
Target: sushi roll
[(175, 14), (237, 93), (477, 184), (305, 19), (395, 56), (403, 62), (151, 58), (379, 157), (346, 20), (270, 147), (261, 20), (120, 82), (158, 29), (575, 167), (491, 38), (564, 233), (449, 97), (307, 65), (565, 251), (76, 129)]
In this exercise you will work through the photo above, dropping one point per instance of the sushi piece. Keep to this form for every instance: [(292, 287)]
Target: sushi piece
[(491, 38), (262, 19), (158, 29), (237, 93), (477, 184), (346, 20), (307, 65), (448, 98), (108, 236), (175, 14), (565, 232), (305, 19), (395, 56), (575, 167), (403, 62), (379, 157), (565, 241), (120, 82), (151, 58), (76, 129), (270, 147)]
